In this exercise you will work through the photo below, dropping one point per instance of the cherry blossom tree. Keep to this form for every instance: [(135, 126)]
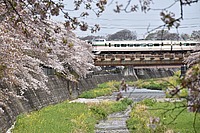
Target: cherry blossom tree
[(29, 40), (20, 11)]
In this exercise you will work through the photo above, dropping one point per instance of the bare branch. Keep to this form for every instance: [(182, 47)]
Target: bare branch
[(155, 9)]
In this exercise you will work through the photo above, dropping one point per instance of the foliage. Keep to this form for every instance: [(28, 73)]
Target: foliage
[(102, 90), (23, 13), (185, 36), (192, 82), (148, 102), (169, 85), (67, 117), (70, 45), (91, 37), (122, 35), (154, 84), (64, 40), (162, 35), (139, 119), (104, 108), (151, 116), (28, 57)]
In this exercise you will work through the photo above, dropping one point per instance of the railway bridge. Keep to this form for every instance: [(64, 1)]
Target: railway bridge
[(141, 60)]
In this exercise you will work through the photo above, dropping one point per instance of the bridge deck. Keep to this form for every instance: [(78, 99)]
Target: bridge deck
[(140, 60)]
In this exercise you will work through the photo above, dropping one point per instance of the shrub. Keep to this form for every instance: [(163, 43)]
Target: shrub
[(101, 90)]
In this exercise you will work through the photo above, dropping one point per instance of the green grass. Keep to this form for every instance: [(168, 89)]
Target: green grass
[(67, 117), (103, 109), (184, 121), (64, 117), (172, 117), (102, 90), (158, 83), (167, 84), (153, 84)]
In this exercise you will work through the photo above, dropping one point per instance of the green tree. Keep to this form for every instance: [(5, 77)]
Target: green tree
[(123, 35), (162, 35)]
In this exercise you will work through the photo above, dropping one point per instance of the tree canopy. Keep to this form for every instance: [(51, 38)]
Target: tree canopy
[(123, 35), (162, 35), (21, 13)]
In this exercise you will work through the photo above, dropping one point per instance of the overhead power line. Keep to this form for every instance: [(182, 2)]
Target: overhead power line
[(131, 19)]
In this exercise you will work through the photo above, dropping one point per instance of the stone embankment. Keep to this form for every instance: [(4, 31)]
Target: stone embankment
[(60, 90)]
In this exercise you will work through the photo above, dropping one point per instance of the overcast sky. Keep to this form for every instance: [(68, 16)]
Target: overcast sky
[(111, 22)]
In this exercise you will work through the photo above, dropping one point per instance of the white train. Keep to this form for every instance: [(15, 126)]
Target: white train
[(101, 46)]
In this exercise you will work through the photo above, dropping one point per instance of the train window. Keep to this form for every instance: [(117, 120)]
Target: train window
[(131, 45), (123, 45), (141, 45), (156, 44), (99, 40), (117, 45), (136, 45), (193, 44), (150, 44)]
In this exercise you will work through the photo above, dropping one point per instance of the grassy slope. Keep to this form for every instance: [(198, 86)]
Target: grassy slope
[(71, 117), (166, 112)]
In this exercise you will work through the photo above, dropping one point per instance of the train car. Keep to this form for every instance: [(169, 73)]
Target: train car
[(101, 46)]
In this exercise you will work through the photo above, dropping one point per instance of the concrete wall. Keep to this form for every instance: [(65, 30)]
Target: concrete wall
[(61, 90)]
